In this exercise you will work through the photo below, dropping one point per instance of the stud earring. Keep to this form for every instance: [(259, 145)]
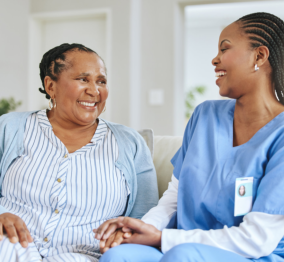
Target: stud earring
[(256, 67)]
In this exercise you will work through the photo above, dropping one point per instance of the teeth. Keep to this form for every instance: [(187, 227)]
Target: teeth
[(220, 73), (87, 104)]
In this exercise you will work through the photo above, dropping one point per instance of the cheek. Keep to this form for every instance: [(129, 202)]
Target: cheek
[(240, 62), (69, 90), (104, 93)]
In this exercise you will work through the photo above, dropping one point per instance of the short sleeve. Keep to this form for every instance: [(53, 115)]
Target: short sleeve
[(270, 192), (178, 158)]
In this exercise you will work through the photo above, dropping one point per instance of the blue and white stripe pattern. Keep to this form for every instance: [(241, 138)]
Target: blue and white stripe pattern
[(62, 197)]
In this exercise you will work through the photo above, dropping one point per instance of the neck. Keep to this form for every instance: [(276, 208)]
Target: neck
[(257, 107), (67, 127)]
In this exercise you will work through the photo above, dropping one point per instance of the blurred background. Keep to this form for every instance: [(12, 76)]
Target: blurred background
[(158, 52)]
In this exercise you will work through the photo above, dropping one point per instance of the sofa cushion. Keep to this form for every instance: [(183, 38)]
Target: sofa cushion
[(164, 149)]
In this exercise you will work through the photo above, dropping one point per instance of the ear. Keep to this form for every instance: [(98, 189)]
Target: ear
[(262, 54), (50, 86)]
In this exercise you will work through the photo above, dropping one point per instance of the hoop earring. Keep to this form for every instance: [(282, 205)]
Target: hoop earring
[(256, 68), (50, 104), (104, 109)]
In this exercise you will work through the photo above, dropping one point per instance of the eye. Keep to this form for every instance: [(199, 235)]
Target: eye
[(103, 82), (223, 50), (82, 79)]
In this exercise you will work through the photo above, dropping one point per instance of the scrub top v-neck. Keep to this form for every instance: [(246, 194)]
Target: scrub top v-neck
[(207, 166)]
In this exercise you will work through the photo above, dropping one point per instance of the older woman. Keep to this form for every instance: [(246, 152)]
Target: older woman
[(65, 171), (227, 143)]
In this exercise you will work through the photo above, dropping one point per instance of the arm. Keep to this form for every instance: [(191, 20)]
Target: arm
[(147, 193), (147, 188), (161, 215), (258, 235)]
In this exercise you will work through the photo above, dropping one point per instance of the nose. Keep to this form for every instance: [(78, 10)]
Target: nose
[(93, 89), (215, 61)]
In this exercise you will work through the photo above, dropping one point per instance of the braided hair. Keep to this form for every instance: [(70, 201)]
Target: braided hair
[(265, 29), (53, 62)]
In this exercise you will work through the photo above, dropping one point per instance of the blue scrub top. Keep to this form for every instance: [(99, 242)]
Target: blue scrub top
[(207, 166)]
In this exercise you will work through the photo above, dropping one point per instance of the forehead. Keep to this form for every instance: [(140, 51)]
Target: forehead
[(85, 62), (232, 32)]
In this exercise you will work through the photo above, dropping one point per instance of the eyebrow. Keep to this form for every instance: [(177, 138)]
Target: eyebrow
[(102, 76), (224, 41), (84, 74), (88, 74)]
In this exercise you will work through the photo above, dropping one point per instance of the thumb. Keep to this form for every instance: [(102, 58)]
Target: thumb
[(132, 223), (126, 229)]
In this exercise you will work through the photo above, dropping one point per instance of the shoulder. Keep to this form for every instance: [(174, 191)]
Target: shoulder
[(216, 106), (124, 132), (13, 119)]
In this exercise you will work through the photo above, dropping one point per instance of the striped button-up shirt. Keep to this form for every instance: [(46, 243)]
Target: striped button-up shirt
[(62, 197)]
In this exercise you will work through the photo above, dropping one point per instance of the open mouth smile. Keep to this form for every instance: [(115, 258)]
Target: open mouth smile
[(221, 73)]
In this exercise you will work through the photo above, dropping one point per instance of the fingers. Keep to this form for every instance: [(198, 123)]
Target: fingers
[(133, 224), (11, 232), (117, 239), (105, 244), (1, 231), (102, 246), (127, 235), (22, 234), (99, 232), (126, 229), (111, 229)]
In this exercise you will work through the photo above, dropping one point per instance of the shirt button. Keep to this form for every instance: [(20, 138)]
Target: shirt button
[(45, 239), (56, 211), (66, 156), (59, 180)]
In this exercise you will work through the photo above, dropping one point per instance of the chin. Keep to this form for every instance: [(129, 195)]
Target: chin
[(88, 118)]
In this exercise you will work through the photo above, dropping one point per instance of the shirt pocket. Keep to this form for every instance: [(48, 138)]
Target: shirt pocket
[(226, 199)]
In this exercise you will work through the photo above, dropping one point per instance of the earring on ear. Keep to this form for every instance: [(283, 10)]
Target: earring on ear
[(54, 103), (256, 67), (50, 104)]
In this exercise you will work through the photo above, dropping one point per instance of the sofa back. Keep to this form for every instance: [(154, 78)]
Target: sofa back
[(165, 148)]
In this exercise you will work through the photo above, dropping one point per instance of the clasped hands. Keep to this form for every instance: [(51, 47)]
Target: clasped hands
[(126, 230)]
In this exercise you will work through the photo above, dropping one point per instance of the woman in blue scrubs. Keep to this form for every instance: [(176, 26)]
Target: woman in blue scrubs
[(228, 145)]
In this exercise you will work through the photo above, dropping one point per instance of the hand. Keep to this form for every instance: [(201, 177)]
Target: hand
[(114, 240), (15, 228), (143, 233)]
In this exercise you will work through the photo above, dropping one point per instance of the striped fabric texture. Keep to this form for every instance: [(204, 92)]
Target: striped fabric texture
[(62, 197)]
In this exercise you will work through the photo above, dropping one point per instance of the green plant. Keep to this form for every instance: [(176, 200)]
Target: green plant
[(7, 105), (190, 99)]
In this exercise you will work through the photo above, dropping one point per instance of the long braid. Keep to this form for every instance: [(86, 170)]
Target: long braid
[(53, 62), (265, 29)]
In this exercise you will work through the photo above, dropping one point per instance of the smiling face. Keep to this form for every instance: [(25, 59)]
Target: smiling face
[(234, 63), (81, 90)]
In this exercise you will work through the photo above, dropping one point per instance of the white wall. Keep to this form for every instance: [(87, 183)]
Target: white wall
[(203, 25), (14, 50), (154, 61)]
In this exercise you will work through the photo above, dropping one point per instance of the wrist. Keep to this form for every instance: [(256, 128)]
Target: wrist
[(158, 238)]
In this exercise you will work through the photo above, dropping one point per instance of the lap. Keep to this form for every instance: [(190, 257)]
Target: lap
[(184, 252), (192, 252), (15, 252), (70, 257), (132, 253)]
